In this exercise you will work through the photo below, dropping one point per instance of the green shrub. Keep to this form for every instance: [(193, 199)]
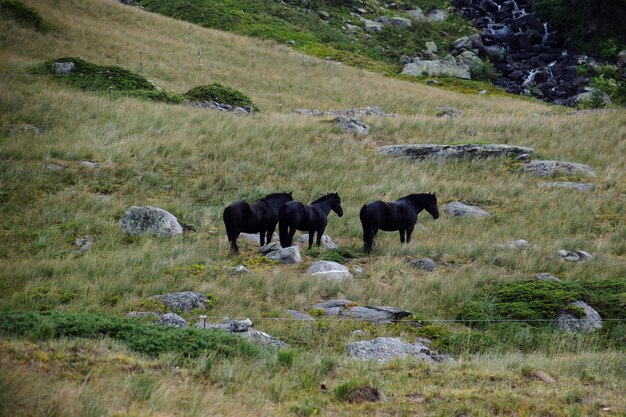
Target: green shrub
[(220, 93), (144, 338), (22, 14), (112, 80), (483, 71)]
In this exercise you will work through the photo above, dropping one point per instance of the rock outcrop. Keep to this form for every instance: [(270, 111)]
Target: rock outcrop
[(587, 321), (184, 301), (443, 152), (549, 168), (374, 314), (383, 349)]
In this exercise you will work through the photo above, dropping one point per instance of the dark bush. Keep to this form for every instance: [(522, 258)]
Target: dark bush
[(22, 14), (221, 94)]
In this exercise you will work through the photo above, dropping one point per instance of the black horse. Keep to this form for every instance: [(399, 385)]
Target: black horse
[(399, 215), (312, 218), (256, 218)]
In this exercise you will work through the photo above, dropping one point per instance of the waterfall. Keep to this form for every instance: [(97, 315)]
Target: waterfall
[(546, 34), (530, 78)]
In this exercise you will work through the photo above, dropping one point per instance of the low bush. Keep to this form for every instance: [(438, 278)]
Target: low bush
[(143, 338), (22, 14), (108, 79), (220, 93)]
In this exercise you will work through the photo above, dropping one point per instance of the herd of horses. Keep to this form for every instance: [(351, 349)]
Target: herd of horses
[(280, 208)]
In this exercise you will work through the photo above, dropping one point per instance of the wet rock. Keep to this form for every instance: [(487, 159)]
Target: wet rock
[(290, 255), (184, 301), (573, 323), (139, 220), (171, 319), (329, 270), (548, 168), (327, 241), (383, 349), (425, 264), (577, 186), (458, 209), (443, 152)]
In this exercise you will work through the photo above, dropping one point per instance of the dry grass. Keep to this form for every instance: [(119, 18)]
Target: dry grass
[(193, 162)]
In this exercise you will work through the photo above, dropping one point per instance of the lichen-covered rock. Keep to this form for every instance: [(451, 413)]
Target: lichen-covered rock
[(139, 220), (327, 241), (544, 276), (383, 349), (329, 270), (443, 152), (290, 255), (548, 168), (571, 323), (374, 314), (425, 264), (183, 301), (458, 209), (63, 68), (352, 125), (171, 319)]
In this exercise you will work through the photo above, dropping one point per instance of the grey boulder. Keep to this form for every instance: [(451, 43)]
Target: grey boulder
[(290, 255), (375, 314), (548, 168), (574, 256), (420, 152), (329, 270), (589, 322), (436, 68), (458, 209), (171, 319), (447, 111), (425, 264), (139, 220), (63, 68), (297, 315), (400, 22), (352, 125), (183, 301), (383, 349), (544, 276)]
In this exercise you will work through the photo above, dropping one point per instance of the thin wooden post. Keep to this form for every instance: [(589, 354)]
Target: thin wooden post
[(140, 61)]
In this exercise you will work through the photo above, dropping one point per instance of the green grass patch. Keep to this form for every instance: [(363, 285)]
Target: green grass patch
[(222, 94), (111, 80), (22, 14), (147, 339)]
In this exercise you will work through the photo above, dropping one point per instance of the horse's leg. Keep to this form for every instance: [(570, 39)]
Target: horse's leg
[(409, 231), (292, 232), (311, 235), (262, 238), (270, 233), (320, 235), (401, 235)]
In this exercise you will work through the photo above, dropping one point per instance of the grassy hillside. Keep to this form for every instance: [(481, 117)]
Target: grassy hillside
[(193, 162)]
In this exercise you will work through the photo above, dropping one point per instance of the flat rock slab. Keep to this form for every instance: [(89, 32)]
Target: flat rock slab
[(570, 323), (327, 241), (243, 328), (290, 255), (458, 209), (576, 186), (329, 270), (374, 314), (383, 349), (183, 301), (549, 168), (445, 152), (140, 220)]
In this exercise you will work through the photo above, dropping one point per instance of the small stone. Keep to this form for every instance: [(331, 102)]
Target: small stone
[(425, 264), (254, 238), (544, 276), (54, 167), (31, 128), (352, 125), (525, 157), (400, 22), (290, 42), (324, 14), (290, 255), (357, 270), (358, 333), (269, 248), (238, 270), (544, 377), (576, 186), (431, 47), (171, 319), (88, 164)]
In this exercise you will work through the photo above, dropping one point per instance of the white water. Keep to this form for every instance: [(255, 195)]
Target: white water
[(546, 34)]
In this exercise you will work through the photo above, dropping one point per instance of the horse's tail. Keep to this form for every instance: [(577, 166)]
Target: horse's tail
[(368, 234), (227, 216), (283, 227)]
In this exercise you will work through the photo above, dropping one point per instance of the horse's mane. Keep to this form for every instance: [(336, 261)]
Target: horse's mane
[(273, 196), (325, 197), (417, 195)]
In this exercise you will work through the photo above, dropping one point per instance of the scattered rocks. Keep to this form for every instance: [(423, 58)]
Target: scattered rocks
[(83, 244), (184, 301), (570, 319), (63, 68), (352, 125), (327, 241), (243, 328), (574, 256), (171, 319), (443, 152), (374, 314), (458, 209), (290, 255), (447, 111), (238, 270), (139, 220), (383, 349), (544, 276), (425, 264), (329, 270), (548, 168), (297, 315), (214, 105), (514, 244), (436, 68), (577, 186), (366, 111)]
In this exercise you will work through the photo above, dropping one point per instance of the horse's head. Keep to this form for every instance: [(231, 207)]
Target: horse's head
[(431, 205), (336, 207)]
